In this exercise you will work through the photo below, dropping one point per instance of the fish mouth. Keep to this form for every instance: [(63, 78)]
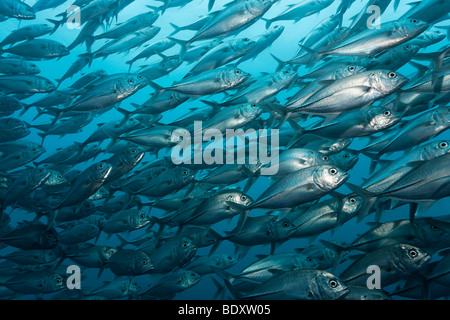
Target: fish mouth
[(424, 260), (342, 179), (345, 291), (402, 82)]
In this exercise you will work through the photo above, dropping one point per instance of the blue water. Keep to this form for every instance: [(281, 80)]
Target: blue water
[(284, 47)]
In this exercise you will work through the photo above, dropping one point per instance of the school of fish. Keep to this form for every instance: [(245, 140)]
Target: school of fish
[(87, 178)]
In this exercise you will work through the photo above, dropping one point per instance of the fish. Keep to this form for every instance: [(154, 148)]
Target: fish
[(86, 184), (125, 220), (301, 186), (167, 286), (129, 262), (157, 47), (98, 97), (127, 42), (223, 54), (261, 270), (358, 123), (394, 261), (353, 91), (171, 254), (236, 16), (134, 24), (388, 36), (298, 11), (38, 282), (26, 84), (26, 33), (116, 289), (37, 49), (299, 285), (206, 83), (31, 236), (17, 9)]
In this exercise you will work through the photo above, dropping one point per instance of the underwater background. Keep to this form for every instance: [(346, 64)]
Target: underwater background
[(284, 48)]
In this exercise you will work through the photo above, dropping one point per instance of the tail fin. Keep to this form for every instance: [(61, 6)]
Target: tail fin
[(210, 5), (299, 132), (126, 115), (56, 23), (158, 89), (176, 29), (43, 135), (184, 46), (268, 22), (315, 55), (130, 62), (226, 278), (339, 249), (281, 63)]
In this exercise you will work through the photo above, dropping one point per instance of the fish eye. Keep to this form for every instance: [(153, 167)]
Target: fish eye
[(392, 75), (34, 66), (58, 280), (238, 72), (407, 47), (286, 72), (49, 83), (59, 176), (100, 166), (332, 283), (387, 113), (185, 172), (309, 259), (49, 236), (243, 198), (443, 145), (341, 29), (325, 158), (413, 253), (185, 244), (333, 171), (438, 32), (142, 216), (253, 105), (434, 228), (285, 224), (415, 21), (246, 39), (133, 151), (144, 262), (352, 200), (351, 68), (130, 81), (346, 156)]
